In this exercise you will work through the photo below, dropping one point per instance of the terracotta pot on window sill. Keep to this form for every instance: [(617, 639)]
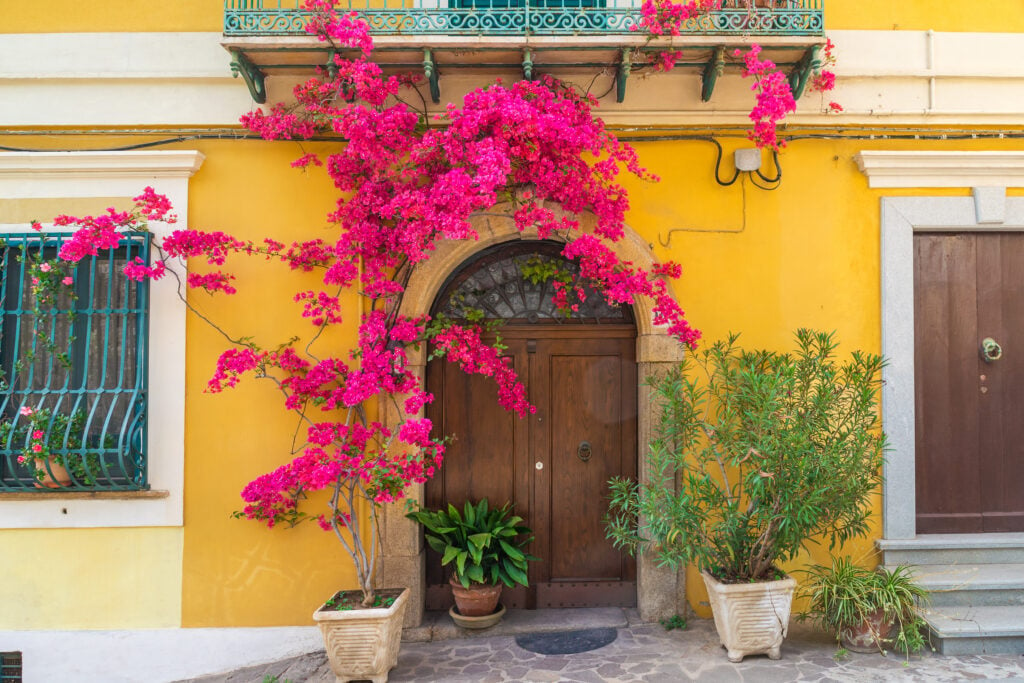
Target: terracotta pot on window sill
[(54, 476)]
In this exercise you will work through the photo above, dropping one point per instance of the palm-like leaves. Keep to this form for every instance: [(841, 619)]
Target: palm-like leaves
[(484, 545)]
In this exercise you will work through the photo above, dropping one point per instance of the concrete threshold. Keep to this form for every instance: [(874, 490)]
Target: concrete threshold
[(439, 625)]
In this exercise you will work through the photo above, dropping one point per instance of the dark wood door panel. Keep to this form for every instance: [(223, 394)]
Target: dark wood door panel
[(586, 451), (1001, 421), (970, 414), (945, 371)]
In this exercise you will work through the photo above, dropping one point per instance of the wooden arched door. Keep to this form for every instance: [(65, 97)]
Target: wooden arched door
[(580, 373)]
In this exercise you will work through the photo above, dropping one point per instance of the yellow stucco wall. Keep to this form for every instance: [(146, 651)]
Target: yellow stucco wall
[(761, 263), (90, 578), (207, 15), (249, 190)]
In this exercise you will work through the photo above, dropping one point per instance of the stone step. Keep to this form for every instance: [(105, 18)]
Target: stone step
[(945, 549), (976, 630), (976, 585)]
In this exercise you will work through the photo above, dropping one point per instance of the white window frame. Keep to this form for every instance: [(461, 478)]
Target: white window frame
[(74, 175)]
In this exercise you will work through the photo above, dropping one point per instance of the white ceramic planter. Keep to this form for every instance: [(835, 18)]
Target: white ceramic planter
[(751, 618), (363, 644)]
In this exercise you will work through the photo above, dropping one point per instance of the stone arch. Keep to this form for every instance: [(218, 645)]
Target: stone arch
[(661, 592)]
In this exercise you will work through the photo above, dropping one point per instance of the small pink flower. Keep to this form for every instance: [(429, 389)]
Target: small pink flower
[(21, 459), (35, 281), (68, 280), (38, 434), (45, 267), (25, 410), (37, 448)]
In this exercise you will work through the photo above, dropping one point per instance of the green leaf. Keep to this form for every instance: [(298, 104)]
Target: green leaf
[(450, 552)]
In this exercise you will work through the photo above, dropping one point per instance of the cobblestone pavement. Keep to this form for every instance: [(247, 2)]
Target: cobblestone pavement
[(648, 653)]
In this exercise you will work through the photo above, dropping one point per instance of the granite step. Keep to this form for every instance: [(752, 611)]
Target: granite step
[(946, 549), (958, 630), (978, 585)]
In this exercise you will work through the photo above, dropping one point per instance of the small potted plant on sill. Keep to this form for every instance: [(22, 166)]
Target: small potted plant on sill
[(58, 449), (769, 450), (486, 548), (867, 610)]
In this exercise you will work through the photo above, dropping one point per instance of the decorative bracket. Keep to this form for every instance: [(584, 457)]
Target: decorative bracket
[(251, 74), (528, 64), (332, 68), (712, 71), (811, 61), (430, 73), (625, 66)]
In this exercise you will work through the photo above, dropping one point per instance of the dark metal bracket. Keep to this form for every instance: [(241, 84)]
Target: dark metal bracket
[(332, 68), (625, 66), (810, 62), (712, 71), (430, 73), (251, 74), (528, 64)]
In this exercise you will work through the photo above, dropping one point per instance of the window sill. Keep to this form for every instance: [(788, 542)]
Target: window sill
[(83, 495)]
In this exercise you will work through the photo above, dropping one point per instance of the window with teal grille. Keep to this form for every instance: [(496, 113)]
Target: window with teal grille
[(77, 363), (10, 667)]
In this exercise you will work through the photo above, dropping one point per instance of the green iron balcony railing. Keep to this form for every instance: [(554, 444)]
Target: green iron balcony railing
[(78, 364), (516, 18)]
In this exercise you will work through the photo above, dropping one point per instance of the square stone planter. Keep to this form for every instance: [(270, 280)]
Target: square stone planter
[(751, 618), (362, 644)]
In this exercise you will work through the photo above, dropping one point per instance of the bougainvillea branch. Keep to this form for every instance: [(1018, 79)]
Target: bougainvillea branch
[(774, 96)]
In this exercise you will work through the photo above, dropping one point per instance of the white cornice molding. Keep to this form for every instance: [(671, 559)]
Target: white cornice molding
[(148, 164), (942, 169)]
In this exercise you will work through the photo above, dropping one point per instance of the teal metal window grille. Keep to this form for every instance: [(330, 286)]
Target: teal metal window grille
[(516, 17), (83, 360), (10, 667)]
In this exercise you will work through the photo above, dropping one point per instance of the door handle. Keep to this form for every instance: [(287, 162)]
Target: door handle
[(583, 451), (990, 350)]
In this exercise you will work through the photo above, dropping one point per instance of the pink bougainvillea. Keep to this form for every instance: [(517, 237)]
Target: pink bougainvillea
[(534, 146)]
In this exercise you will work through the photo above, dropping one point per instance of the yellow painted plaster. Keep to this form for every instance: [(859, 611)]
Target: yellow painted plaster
[(237, 572), (90, 578), (69, 16)]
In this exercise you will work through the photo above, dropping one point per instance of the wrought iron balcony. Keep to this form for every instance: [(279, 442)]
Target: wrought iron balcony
[(516, 18), (268, 37)]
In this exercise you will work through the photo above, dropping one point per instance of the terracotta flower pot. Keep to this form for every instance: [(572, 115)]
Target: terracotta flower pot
[(751, 618), (54, 475), (479, 600), (873, 634), (363, 643)]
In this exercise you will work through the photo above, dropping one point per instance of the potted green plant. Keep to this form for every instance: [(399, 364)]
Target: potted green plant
[(57, 448), (756, 452), (486, 549), (867, 610)]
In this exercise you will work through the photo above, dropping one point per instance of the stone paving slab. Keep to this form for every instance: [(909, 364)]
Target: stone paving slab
[(647, 653)]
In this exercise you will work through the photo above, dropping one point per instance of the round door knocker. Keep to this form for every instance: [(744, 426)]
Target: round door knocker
[(990, 350), (583, 451)]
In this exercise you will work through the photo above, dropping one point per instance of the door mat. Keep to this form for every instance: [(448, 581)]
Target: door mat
[(567, 642)]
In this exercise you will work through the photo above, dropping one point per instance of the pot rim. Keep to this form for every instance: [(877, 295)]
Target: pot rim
[(322, 614)]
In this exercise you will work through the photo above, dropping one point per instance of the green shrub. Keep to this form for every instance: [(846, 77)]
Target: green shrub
[(755, 453)]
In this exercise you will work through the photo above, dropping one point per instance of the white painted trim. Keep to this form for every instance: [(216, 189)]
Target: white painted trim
[(35, 167), (59, 175), (184, 79), (900, 218), (153, 655), (942, 169)]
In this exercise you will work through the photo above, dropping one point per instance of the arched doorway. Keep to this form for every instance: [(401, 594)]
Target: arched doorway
[(580, 372)]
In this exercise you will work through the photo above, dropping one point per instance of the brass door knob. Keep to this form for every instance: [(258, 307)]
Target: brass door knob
[(990, 350)]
